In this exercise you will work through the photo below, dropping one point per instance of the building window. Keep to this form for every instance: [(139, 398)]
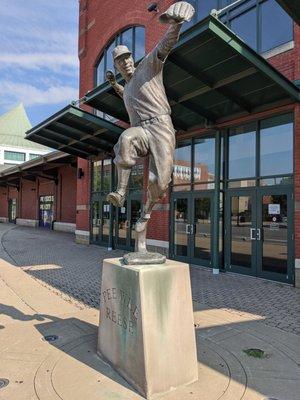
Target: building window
[(241, 153), (13, 156), (262, 150), (194, 164), (276, 144), (262, 24), (33, 156), (133, 38)]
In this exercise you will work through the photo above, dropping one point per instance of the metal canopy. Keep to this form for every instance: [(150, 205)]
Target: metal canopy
[(43, 167), (76, 132), (210, 76), (292, 7)]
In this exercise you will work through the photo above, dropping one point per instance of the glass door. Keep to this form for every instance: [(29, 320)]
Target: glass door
[(240, 232), (200, 230), (95, 228), (135, 213), (275, 234), (122, 226), (181, 228), (100, 216), (191, 228), (127, 217), (12, 210), (259, 233)]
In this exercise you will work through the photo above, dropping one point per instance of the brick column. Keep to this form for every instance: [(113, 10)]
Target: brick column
[(83, 203), (297, 196)]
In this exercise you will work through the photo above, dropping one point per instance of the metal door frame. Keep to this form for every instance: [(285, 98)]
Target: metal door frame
[(277, 190), (175, 196), (100, 198), (256, 270), (229, 193), (193, 196), (129, 198)]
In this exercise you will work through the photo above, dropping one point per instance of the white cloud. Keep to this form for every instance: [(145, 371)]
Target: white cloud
[(32, 96), (53, 61)]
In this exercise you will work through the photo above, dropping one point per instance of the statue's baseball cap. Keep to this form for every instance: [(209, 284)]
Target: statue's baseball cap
[(120, 50)]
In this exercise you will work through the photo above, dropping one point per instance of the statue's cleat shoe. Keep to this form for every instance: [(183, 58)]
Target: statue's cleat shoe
[(142, 222), (116, 199)]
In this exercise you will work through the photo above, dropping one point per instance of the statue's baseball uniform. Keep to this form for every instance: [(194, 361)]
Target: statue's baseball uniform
[(149, 111)]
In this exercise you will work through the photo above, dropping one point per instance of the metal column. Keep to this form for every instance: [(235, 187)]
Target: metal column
[(216, 205), (111, 210)]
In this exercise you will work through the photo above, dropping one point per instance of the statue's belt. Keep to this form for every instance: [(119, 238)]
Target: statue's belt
[(155, 120)]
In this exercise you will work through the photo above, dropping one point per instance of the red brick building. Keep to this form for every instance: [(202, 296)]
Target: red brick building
[(41, 192), (232, 85)]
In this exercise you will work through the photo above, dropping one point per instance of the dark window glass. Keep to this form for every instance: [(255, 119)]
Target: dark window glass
[(245, 27), (96, 176), (204, 8), (204, 160), (127, 39), (133, 38), (276, 146), (109, 57), (100, 71), (277, 26), (106, 175), (33, 156), (242, 145), (182, 170), (139, 43), (13, 156)]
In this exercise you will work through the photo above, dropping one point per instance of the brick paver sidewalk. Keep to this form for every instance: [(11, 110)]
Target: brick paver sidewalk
[(74, 271)]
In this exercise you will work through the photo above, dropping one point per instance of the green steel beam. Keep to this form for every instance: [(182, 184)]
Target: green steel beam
[(202, 77), (226, 35)]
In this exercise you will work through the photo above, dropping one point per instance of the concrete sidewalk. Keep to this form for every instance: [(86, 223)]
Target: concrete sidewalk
[(68, 368)]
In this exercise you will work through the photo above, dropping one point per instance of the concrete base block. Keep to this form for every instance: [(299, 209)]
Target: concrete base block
[(4, 220), (64, 227), (34, 223), (82, 237), (146, 325)]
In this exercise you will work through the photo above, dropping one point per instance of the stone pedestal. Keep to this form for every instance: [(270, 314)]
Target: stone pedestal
[(147, 326)]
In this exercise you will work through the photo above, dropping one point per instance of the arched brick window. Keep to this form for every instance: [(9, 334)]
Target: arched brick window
[(133, 38)]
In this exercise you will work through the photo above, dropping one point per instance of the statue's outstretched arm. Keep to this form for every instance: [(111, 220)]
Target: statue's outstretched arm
[(175, 15), (168, 41), (119, 89)]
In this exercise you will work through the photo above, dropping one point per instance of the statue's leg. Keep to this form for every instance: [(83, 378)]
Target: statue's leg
[(132, 144), (155, 192)]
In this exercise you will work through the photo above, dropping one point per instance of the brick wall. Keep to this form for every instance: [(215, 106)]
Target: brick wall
[(66, 194), (3, 202), (28, 197), (28, 204)]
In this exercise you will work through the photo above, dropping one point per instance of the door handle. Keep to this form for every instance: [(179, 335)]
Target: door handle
[(258, 236), (252, 234), (127, 224)]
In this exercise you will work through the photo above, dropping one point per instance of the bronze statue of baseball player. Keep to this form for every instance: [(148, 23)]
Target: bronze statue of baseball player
[(151, 132)]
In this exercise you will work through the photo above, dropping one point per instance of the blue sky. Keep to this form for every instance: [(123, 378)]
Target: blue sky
[(38, 55)]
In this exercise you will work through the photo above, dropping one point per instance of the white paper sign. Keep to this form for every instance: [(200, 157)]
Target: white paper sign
[(274, 209), (123, 210)]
